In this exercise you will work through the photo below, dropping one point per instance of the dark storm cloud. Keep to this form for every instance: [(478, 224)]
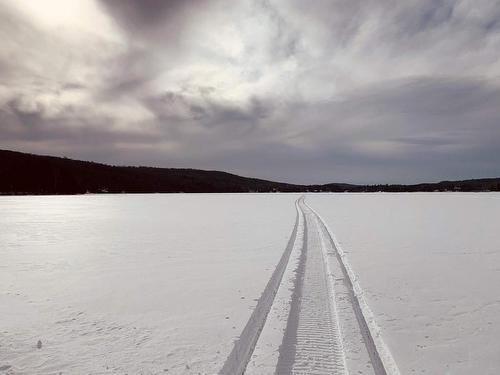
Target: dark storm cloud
[(158, 36), (178, 108), (141, 15), (342, 90)]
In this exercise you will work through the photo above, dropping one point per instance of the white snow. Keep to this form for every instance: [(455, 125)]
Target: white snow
[(149, 284), (430, 268), (138, 284)]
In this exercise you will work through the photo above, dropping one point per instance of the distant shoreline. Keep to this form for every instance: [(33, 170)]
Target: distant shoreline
[(29, 174), (19, 194)]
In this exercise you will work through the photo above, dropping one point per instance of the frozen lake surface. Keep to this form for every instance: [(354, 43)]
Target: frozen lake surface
[(135, 284), (429, 264), (150, 284)]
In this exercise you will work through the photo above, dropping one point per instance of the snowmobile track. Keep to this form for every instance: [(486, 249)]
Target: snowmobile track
[(312, 343), (330, 329)]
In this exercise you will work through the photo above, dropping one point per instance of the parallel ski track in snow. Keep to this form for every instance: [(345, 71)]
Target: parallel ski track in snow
[(313, 341)]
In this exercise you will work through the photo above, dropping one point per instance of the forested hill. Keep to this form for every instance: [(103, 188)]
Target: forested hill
[(22, 173)]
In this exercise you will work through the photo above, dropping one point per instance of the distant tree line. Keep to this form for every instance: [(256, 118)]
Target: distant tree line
[(22, 173)]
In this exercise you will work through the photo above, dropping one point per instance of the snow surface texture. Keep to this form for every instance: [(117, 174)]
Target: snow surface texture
[(429, 265), (149, 284), (137, 284)]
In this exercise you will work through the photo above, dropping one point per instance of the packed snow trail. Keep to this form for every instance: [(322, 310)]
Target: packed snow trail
[(312, 343), (315, 321)]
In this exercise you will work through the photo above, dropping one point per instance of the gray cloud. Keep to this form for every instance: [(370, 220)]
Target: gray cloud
[(354, 91), (145, 15)]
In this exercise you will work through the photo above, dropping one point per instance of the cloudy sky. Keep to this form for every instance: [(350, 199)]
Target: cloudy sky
[(301, 91)]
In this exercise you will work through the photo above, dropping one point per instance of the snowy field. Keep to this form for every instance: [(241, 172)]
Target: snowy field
[(429, 264), (137, 284), (150, 284)]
